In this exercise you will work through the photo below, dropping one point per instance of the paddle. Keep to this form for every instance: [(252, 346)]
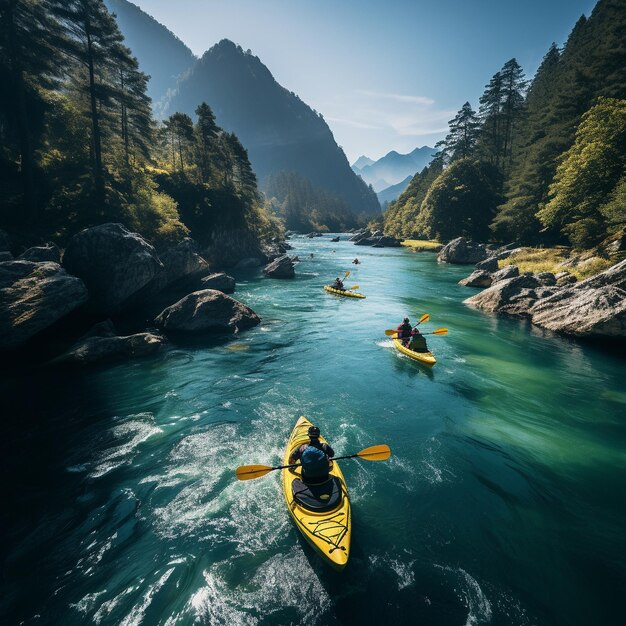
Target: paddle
[(373, 453), (439, 331), (354, 287)]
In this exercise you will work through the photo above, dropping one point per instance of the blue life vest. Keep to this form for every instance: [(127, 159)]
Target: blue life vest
[(314, 462)]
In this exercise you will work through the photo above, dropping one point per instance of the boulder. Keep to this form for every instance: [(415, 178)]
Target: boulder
[(5, 255), (513, 296), (41, 254), (547, 279), (248, 263), (282, 267), (362, 234), (33, 296), (478, 278), (208, 310), (101, 343), (220, 281), (335, 239), (595, 307), (488, 265), (180, 262), (508, 271), (113, 262), (462, 251)]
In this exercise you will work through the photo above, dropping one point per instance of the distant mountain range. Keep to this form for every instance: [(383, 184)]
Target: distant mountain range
[(393, 168), (280, 131), (389, 194)]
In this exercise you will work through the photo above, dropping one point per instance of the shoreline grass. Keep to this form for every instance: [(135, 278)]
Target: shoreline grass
[(422, 245), (584, 264)]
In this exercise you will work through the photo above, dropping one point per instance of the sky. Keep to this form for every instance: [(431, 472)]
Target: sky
[(386, 75)]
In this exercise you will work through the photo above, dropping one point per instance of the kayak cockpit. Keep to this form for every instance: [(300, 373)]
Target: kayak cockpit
[(317, 498)]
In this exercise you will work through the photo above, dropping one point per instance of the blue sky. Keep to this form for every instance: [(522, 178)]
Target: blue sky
[(385, 75)]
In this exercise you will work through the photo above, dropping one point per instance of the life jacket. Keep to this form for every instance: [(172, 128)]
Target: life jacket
[(314, 462)]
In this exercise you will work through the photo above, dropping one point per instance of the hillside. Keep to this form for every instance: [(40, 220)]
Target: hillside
[(160, 53), (280, 132)]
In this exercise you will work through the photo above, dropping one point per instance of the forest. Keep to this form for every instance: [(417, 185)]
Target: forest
[(79, 145), (542, 162)]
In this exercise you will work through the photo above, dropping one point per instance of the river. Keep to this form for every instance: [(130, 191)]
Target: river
[(503, 502)]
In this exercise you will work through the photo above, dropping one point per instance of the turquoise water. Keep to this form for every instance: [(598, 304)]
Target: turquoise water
[(503, 502)]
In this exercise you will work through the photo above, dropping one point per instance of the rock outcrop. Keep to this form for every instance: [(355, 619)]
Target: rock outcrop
[(488, 265), (282, 267), (41, 254), (478, 278), (101, 343), (114, 264), (220, 281), (462, 251), (207, 311), (508, 271), (33, 296), (513, 296), (595, 307), (5, 255)]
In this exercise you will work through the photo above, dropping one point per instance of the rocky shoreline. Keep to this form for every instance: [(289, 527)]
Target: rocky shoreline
[(110, 273), (594, 308)]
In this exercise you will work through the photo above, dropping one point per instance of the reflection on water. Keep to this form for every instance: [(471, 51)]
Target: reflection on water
[(499, 505)]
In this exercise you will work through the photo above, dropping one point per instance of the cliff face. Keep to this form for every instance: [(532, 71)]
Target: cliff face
[(280, 132)]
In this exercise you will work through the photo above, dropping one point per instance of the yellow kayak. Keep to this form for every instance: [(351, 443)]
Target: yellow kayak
[(426, 358), (321, 512), (345, 292)]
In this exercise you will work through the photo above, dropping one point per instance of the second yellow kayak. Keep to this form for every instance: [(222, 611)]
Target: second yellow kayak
[(426, 358)]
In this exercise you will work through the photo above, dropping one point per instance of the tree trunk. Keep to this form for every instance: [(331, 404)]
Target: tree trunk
[(95, 123)]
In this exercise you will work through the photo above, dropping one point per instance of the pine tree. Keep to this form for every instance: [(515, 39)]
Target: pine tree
[(29, 64), (460, 142), (179, 131), (490, 115), (209, 154)]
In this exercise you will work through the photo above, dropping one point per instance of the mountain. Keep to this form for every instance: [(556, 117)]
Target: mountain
[(361, 162), (280, 132), (391, 193), (394, 167), (160, 53)]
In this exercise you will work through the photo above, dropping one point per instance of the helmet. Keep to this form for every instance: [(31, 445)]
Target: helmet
[(314, 432), (406, 320)]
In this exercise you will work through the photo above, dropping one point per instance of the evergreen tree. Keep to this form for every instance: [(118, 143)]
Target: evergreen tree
[(461, 140), (29, 64), (588, 175), (490, 114), (179, 132), (207, 135), (461, 201)]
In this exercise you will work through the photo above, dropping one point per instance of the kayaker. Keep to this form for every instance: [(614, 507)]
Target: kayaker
[(418, 343), (338, 284), (356, 261), (404, 331), (315, 457)]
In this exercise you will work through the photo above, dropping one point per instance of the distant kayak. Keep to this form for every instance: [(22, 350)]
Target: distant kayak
[(343, 292), (426, 358), (321, 512)]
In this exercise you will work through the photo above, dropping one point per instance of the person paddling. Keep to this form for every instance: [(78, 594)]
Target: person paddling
[(404, 331), (338, 284), (356, 261), (418, 343), (315, 458)]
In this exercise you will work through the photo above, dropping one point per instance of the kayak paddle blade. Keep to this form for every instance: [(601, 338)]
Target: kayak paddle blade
[(375, 453), (440, 331), (424, 318), (250, 472), (390, 333)]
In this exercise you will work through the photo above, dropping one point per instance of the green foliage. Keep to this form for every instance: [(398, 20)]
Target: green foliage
[(460, 142), (401, 218), (588, 174), (461, 201), (304, 207)]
